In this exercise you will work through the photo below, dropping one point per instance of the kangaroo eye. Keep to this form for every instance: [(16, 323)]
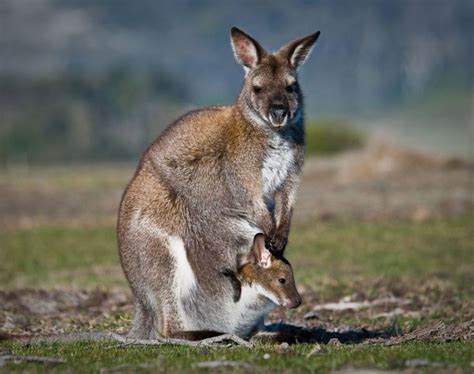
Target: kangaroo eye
[(291, 88), (282, 280), (257, 89)]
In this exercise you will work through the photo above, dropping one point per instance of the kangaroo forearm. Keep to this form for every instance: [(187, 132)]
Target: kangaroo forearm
[(284, 202), (284, 224)]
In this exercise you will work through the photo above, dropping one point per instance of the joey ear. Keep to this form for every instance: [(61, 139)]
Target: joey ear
[(299, 50), (247, 51), (262, 255)]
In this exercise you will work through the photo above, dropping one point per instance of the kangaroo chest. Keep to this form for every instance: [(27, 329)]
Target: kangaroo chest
[(277, 164)]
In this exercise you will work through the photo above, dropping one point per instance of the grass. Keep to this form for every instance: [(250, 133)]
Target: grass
[(82, 357), (34, 257), (49, 256), (432, 260), (394, 250)]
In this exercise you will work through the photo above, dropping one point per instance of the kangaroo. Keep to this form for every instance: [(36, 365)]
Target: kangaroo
[(209, 183)]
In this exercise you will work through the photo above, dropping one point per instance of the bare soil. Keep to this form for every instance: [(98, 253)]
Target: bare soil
[(354, 319)]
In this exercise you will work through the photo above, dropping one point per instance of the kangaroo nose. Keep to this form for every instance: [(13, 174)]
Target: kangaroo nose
[(278, 113)]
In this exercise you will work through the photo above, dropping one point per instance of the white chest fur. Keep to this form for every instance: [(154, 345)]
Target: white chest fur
[(277, 163)]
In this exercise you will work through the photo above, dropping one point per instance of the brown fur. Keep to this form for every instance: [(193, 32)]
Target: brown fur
[(270, 280), (272, 273), (201, 179)]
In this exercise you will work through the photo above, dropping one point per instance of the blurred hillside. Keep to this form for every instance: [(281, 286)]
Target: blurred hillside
[(100, 79)]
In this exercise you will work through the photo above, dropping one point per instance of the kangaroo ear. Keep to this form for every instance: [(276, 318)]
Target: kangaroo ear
[(299, 50), (247, 51), (262, 255)]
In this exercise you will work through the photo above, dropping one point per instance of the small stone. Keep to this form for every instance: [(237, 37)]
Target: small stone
[(420, 215), (266, 356), (417, 362), (334, 342), (284, 346), (316, 350), (311, 315)]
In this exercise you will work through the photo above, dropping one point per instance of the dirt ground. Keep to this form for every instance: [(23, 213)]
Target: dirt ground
[(31, 313)]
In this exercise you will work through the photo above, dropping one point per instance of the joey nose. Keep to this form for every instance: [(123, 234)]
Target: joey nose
[(293, 303), (278, 113), (297, 301)]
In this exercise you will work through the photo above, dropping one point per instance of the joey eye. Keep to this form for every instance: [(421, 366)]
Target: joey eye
[(291, 88), (282, 280), (257, 89)]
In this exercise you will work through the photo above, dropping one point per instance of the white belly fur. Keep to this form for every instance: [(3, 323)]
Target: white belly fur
[(248, 312), (238, 318)]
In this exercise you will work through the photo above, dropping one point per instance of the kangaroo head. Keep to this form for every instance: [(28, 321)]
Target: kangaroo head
[(273, 275), (271, 95)]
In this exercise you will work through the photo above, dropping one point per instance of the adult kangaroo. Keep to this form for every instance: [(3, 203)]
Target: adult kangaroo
[(209, 183)]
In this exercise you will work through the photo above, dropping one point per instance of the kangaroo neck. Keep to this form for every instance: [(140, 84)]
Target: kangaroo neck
[(249, 115), (293, 132)]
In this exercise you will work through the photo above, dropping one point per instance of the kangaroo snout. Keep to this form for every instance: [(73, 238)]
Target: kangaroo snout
[(278, 115)]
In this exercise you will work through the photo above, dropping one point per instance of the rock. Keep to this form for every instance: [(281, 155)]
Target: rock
[(311, 315), (316, 350), (334, 342)]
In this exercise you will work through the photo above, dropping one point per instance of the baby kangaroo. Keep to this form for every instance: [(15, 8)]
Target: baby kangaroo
[(268, 276)]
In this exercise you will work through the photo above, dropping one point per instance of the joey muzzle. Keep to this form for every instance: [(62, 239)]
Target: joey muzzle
[(293, 302)]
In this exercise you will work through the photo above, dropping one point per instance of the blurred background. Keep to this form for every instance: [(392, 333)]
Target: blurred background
[(98, 80), (85, 87), (385, 209)]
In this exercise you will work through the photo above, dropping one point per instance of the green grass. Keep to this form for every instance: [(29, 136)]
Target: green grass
[(88, 358), (326, 137), (45, 256), (394, 250), (433, 260), (49, 256)]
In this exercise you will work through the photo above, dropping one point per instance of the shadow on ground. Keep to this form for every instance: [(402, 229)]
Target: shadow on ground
[(292, 334)]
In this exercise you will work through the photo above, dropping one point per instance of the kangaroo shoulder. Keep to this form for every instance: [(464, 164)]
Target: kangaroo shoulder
[(194, 128)]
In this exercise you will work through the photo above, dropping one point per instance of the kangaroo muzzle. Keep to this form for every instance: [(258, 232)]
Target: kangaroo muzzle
[(278, 115)]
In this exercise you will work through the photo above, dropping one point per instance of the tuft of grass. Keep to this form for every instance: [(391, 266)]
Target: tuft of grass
[(325, 137)]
